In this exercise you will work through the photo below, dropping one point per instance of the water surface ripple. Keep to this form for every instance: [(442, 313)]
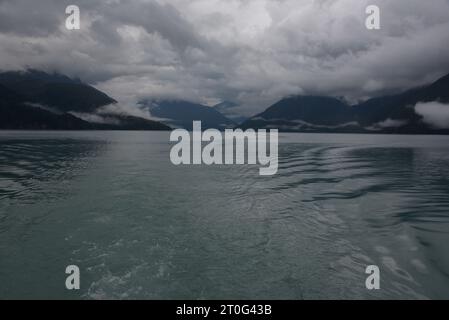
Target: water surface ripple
[(139, 227)]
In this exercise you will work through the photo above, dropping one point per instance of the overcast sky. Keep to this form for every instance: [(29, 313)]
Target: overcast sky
[(252, 52)]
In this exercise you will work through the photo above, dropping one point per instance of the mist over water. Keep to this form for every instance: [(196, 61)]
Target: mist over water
[(139, 227)]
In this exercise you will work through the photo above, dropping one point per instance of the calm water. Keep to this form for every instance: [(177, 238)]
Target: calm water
[(139, 227)]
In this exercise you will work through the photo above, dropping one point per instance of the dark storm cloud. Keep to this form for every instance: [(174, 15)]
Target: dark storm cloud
[(153, 17), (252, 52), (25, 18)]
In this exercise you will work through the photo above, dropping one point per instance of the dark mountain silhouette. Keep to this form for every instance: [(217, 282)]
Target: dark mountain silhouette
[(181, 114), (401, 106), (15, 114), (388, 114), (55, 90), (38, 100)]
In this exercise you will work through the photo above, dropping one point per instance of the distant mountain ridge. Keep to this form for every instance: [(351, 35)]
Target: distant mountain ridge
[(389, 114), (55, 90), (227, 108), (35, 99), (181, 114)]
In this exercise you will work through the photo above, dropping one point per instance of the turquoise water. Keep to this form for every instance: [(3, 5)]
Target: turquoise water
[(138, 227)]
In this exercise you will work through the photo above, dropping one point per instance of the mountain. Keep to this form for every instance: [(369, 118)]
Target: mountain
[(400, 108), (55, 90), (15, 114), (35, 99), (308, 113), (181, 114), (388, 114), (227, 108), (38, 100)]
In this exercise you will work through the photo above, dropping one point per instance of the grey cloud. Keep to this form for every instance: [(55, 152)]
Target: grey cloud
[(30, 18), (251, 52), (154, 17)]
